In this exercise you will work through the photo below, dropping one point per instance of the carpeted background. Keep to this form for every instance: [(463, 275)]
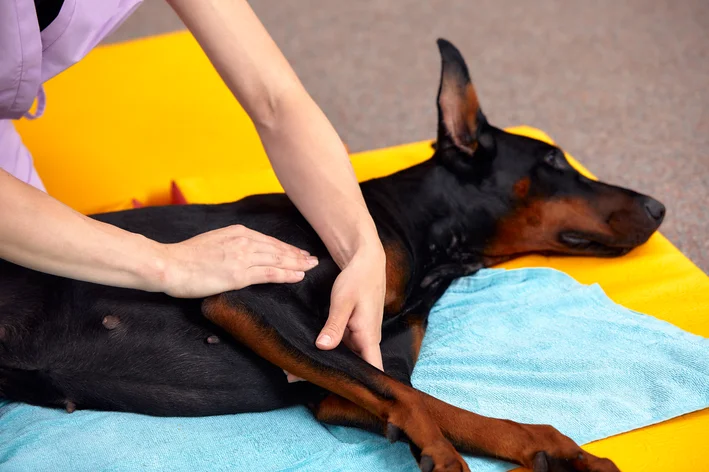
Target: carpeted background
[(623, 86)]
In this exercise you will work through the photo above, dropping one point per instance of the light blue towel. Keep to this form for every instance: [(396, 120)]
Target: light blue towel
[(531, 345)]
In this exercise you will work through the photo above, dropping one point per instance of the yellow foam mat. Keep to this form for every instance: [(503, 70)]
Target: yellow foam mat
[(132, 117)]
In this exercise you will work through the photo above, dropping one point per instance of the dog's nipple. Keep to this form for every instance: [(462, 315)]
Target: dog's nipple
[(213, 339), (70, 406), (111, 322)]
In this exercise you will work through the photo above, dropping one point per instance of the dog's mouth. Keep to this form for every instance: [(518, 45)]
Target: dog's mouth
[(593, 244)]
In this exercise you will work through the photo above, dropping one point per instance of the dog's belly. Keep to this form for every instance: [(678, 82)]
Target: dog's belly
[(66, 342), (149, 354)]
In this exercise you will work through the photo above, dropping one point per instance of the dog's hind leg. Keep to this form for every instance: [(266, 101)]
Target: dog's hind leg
[(283, 331)]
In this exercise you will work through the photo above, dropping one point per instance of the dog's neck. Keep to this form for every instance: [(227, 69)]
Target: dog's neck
[(442, 220)]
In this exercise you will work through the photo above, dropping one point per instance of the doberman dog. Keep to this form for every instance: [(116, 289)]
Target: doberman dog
[(484, 197)]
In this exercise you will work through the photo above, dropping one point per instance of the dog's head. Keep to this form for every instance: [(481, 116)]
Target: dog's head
[(540, 202)]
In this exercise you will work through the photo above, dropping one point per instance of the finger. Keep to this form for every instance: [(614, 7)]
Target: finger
[(260, 237), (283, 261), (372, 353), (268, 247), (272, 275), (366, 345), (366, 334), (331, 334)]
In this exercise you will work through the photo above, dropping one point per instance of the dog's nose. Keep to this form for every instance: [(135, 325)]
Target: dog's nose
[(654, 209)]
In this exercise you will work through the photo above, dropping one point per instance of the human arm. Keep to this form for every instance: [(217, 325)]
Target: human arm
[(308, 158), (39, 232)]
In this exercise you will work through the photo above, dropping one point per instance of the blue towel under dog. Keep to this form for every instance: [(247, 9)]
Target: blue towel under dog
[(532, 345)]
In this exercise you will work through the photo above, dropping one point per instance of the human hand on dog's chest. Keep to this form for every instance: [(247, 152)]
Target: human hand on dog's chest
[(357, 306)]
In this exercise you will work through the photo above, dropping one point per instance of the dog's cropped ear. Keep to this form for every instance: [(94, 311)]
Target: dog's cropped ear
[(460, 119)]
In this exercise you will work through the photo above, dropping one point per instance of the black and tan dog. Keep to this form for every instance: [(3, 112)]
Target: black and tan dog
[(485, 196)]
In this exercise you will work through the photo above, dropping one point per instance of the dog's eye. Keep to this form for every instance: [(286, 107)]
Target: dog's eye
[(555, 158)]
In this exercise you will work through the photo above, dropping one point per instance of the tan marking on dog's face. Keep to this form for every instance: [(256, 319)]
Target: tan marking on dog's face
[(536, 226)]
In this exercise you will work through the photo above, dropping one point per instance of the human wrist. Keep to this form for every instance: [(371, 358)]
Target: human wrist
[(362, 239), (154, 269)]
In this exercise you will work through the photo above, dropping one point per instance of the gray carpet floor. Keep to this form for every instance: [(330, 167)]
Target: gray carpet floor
[(621, 85)]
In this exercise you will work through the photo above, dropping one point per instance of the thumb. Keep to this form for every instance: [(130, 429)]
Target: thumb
[(331, 334)]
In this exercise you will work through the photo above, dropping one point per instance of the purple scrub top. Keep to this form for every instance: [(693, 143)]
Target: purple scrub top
[(30, 57)]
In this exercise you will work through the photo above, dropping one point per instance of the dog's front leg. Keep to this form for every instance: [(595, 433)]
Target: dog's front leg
[(283, 331)]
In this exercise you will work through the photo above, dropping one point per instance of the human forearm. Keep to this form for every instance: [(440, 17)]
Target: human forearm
[(43, 234), (40, 233), (305, 151), (314, 168)]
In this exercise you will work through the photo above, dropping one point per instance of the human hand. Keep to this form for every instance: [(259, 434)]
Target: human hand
[(357, 306), (229, 258)]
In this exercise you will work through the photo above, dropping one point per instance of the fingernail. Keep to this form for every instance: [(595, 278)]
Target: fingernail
[(293, 378), (300, 273), (305, 253), (324, 340), (313, 261)]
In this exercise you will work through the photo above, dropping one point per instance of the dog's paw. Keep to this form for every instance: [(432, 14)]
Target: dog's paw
[(442, 457), (581, 463), (551, 451)]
